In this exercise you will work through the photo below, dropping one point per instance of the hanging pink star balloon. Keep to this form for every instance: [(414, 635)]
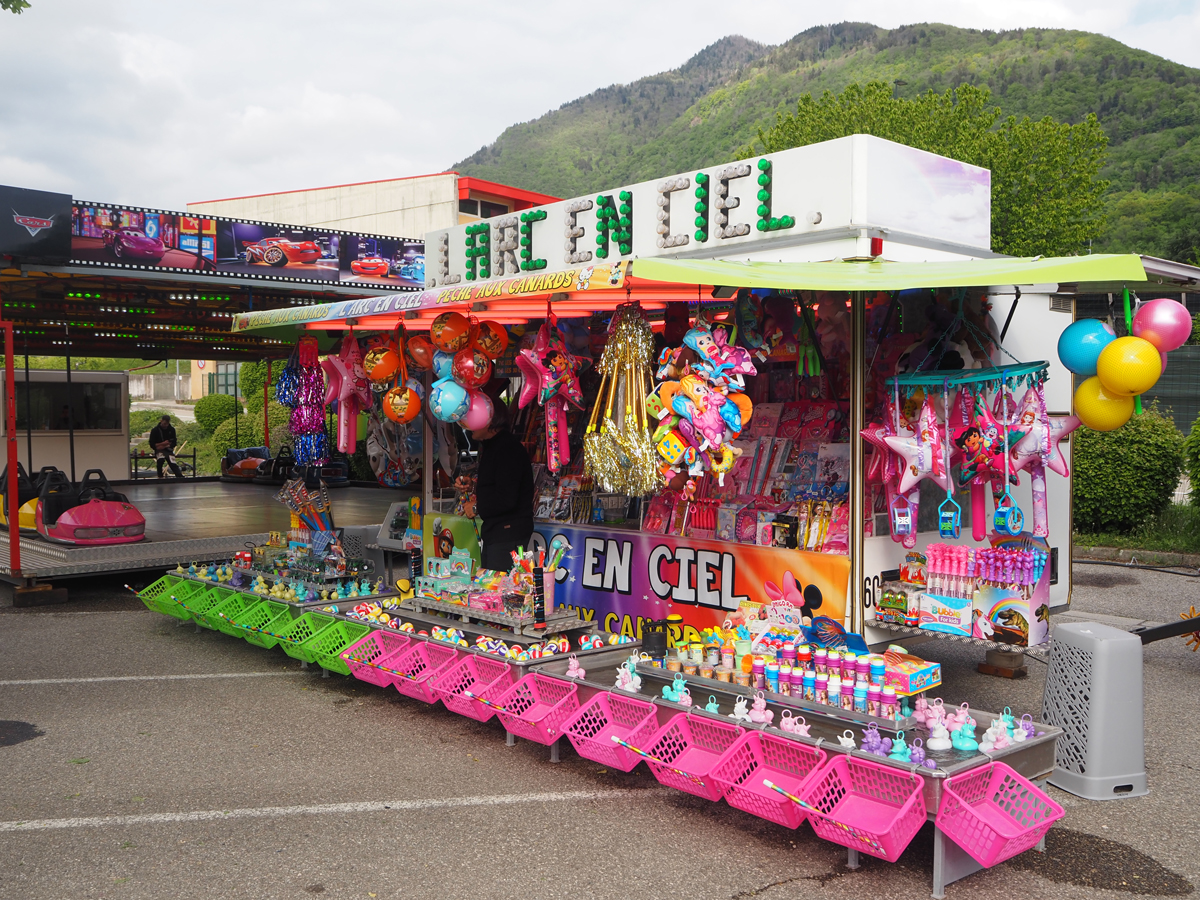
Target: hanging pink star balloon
[(347, 385), (923, 453)]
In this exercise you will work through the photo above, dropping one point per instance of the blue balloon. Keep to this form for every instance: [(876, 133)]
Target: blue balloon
[(441, 364), (448, 400), (1080, 344)]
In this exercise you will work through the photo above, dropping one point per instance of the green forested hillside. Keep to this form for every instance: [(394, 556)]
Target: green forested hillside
[(704, 111)]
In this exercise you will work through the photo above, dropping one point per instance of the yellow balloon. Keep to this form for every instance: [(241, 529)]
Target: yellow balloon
[(1099, 409), (1129, 365)]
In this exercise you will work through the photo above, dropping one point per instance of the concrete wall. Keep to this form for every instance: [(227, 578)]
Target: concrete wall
[(160, 387), (403, 207)]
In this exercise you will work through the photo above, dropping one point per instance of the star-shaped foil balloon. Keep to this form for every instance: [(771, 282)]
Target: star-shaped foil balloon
[(1031, 449), (977, 439), (923, 453), (348, 385), (549, 370), (876, 434)]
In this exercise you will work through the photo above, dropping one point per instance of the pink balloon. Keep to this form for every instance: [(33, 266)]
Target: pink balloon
[(1164, 322), (479, 413), (1163, 356)]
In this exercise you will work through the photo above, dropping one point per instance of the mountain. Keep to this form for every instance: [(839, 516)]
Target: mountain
[(711, 107)]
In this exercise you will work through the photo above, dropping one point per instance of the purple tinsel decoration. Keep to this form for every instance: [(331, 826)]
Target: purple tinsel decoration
[(308, 417)]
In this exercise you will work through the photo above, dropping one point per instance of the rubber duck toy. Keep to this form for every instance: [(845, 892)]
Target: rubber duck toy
[(871, 740), (964, 737), (916, 752), (759, 712), (192, 570), (740, 713), (939, 737), (324, 595), (846, 739), (574, 670), (685, 698), (179, 569)]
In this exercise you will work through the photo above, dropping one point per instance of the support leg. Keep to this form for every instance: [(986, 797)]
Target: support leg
[(554, 751), (303, 664), (852, 858), (510, 739), (324, 673), (950, 863)]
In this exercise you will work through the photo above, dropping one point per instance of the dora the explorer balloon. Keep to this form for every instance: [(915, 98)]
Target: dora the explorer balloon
[(551, 376)]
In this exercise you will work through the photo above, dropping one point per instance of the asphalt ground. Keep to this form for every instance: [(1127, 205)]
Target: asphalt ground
[(275, 782)]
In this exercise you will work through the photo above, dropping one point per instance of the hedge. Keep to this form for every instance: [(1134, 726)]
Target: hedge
[(1126, 476), (214, 409)]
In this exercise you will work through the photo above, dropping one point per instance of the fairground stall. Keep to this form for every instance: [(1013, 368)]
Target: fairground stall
[(782, 412)]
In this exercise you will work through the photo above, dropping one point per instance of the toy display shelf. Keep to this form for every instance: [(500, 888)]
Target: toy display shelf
[(519, 626), (295, 604), (1041, 651)]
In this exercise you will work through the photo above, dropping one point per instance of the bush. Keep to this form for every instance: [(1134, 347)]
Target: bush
[(1191, 460), (279, 416), (214, 409), (252, 376), (223, 437), (1122, 478)]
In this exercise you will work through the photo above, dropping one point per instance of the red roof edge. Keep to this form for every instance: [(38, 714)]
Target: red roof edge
[(467, 182)]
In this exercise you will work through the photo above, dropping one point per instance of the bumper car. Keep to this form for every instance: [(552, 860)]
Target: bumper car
[(277, 470), (27, 498), (91, 515), (241, 466), (335, 474)]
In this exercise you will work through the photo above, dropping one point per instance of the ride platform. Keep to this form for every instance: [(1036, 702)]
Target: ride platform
[(187, 521)]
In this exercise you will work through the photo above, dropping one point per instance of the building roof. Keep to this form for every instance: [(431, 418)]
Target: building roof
[(465, 184)]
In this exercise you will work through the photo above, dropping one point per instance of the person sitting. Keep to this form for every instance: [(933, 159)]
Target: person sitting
[(162, 442)]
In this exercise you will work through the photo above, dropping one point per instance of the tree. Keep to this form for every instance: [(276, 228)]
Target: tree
[(1046, 193), (14, 6)]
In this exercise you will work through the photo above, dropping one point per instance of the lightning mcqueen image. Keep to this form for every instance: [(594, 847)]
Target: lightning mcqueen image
[(371, 265), (131, 243), (280, 251)]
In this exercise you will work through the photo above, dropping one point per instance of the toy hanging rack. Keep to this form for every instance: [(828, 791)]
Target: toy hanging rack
[(1032, 374)]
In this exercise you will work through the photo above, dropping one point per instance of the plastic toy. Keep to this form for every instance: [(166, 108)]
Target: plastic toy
[(900, 750), (740, 713), (711, 706), (1165, 323), (846, 739), (759, 712), (1080, 344), (964, 737), (939, 737), (916, 752)]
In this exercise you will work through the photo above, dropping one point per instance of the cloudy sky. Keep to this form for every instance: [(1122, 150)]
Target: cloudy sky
[(158, 103)]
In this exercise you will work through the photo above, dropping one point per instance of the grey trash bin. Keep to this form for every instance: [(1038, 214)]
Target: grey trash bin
[(1094, 694)]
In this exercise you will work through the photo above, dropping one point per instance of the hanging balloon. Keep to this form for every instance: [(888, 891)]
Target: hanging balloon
[(492, 339), (401, 404), (1100, 410), (381, 363), (448, 400), (1080, 344), (479, 413), (420, 351), (450, 332), (1165, 323), (1129, 365), (443, 364), (471, 368)]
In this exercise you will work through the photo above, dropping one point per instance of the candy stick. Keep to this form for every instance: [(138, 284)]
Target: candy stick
[(654, 759), (364, 662), (486, 702), (773, 786)]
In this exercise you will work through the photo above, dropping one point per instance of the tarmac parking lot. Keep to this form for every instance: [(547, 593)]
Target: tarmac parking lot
[(144, 760)]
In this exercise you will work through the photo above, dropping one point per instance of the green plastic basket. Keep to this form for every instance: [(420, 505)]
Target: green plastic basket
[(161, 589), (162, 594), (267, 616), (185, 600), (200, 602), (219, 615), (327, 646), (295, 637)]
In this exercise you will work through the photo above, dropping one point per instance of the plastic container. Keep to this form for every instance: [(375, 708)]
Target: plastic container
[(592, 729), (691, 745), (372, 649), (994, 814), (537, 707), (221, 614), (418, 666), (268, 617), (157, 596), (294, 636), (760, 756), (867, 806), (326, 647), (482, 676), (201, 601)]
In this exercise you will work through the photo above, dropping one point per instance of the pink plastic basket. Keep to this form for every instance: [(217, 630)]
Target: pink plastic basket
[(483, 677), (692, 745), (592, 729), (760, 756), (537, 706), (866, 806), (422, 662), (994, 814), (373, 649)]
